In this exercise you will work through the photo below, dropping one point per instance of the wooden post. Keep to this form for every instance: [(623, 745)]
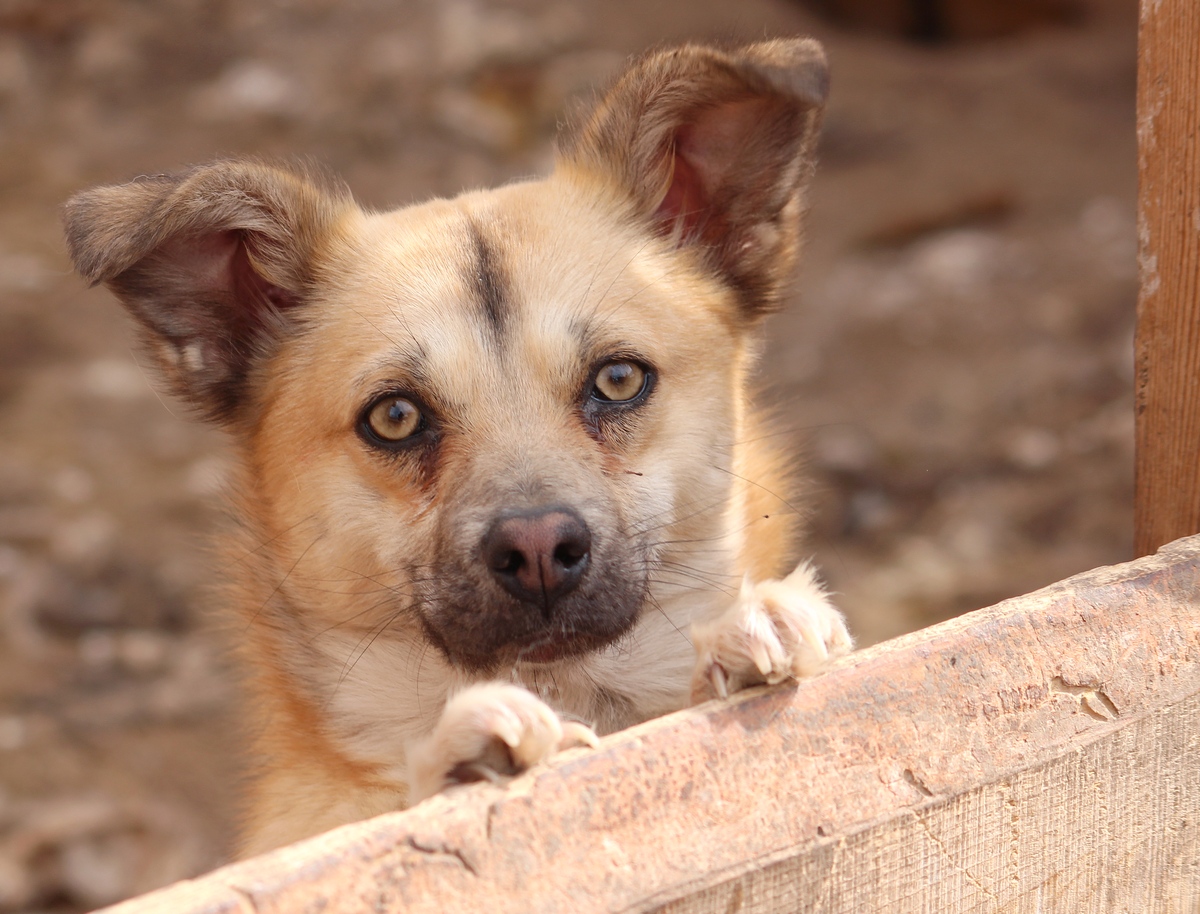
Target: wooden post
[(1167, 499), (1042, 755)]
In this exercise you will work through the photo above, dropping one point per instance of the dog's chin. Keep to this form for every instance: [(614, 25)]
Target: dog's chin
[(549, 645), (560, 646)]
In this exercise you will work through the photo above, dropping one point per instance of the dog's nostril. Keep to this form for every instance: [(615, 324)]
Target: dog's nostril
[(508, 562), (570, 554)]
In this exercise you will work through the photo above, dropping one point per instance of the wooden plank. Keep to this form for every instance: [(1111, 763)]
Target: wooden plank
[(1167, 485), (1103, 841), (1040, 755)]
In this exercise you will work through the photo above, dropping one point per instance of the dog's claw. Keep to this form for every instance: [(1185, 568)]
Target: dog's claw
[(814, 641), (720, 683), (507, 726), (776, 630), (577, 736), (761, 656)]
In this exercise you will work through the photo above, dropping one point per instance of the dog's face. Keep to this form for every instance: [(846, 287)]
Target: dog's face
[(500, 411), (505, 417)]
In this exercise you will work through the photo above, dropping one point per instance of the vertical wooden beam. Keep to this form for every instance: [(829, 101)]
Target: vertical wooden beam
[(1167, 463)]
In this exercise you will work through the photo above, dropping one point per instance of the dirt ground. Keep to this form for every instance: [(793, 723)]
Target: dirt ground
[(955, 368)]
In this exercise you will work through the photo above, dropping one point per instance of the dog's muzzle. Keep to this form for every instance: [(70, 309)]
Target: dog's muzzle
[(540, 584)]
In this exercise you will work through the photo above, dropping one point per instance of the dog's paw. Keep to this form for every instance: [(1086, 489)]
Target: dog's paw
[(776, 630), (492, 732)]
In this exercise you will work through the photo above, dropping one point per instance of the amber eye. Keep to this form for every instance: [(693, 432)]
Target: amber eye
[(619, 382), (394, 419)]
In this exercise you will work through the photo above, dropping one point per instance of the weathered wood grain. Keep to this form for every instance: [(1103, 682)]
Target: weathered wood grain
[(1040, 755), (1167, 483)]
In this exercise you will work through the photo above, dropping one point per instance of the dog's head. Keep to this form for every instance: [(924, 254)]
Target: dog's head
[(509, 413)]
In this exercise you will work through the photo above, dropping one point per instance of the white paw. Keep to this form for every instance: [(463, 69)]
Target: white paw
[(776, 630), (490, 731)]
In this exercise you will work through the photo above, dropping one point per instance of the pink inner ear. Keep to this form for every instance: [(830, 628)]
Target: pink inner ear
[(684, 205), (220, 263), (708, 153), (252, 291), (205, 260)]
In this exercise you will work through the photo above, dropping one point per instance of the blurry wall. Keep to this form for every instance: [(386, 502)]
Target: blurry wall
[(954, 369)]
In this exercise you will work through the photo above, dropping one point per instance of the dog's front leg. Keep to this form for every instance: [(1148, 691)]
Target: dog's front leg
[(775, 630), (490, 731)]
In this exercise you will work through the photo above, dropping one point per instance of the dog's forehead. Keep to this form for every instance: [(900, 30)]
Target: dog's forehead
[(473, 285)]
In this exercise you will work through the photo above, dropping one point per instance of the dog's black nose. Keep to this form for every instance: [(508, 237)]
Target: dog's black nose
[(538, 556)]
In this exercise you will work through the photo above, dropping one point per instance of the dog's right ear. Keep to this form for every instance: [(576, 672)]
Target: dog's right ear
[(211, 263)]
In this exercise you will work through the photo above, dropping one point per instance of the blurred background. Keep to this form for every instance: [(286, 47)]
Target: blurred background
[(954, 369)]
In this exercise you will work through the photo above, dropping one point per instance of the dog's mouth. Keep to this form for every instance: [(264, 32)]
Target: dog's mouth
[(485, 643), (485, 616)]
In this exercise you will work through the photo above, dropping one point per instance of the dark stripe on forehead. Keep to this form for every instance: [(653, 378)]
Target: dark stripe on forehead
[(489, 281)]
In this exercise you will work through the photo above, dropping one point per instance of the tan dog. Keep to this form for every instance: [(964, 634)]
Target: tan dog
[(498, 457)]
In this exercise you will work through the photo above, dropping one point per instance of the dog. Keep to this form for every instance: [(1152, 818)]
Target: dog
[(501, 485)]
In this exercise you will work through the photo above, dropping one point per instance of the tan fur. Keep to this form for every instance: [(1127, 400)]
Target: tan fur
[(375, 627)]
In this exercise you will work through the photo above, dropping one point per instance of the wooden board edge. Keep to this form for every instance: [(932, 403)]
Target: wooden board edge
[(903, 724)]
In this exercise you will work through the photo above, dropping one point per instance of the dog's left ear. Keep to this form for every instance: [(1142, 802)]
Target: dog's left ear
[(715, 150)]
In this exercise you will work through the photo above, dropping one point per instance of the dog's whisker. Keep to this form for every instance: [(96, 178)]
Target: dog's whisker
[(658, 607), (278, 587), (348, 621), (374, 579), (617, 306), (401, 319), (621, 272), (594, 276), (376, 327), (680, 567), (691, 541), (672, 520), (760, 487), (377, 631), (424, 645), (707, 585), (264, 544)]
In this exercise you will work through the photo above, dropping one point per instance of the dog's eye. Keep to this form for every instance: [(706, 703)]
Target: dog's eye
[(394, 419), (619, 382)]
